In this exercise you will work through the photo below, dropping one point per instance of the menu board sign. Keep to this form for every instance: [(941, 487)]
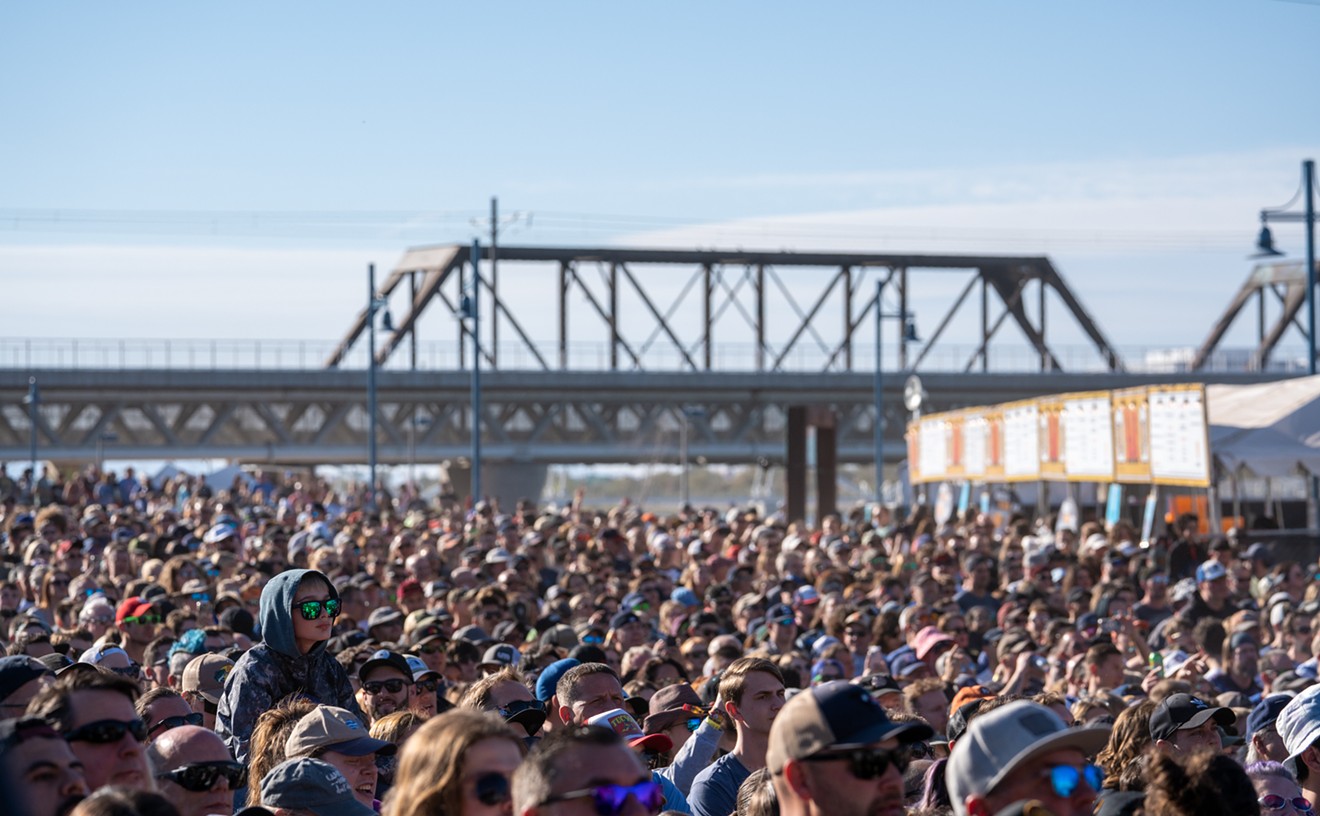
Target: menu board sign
[(1179, 436), (1088, 438), (933, 446), (1151, 435), (1021, 442)]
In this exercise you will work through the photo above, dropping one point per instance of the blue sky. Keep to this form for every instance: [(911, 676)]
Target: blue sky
[(187, 144)]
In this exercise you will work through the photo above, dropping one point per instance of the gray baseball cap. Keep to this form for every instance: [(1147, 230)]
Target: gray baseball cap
[(310, 784), (1298, 724), (999, 742)]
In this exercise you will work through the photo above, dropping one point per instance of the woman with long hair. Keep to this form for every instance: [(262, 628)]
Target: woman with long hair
[(459, 763)]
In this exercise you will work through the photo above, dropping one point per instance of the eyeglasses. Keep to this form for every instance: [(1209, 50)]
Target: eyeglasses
[(104, 732), (147, 619), (433, 648), (610, 800), (869, 763), (492, 789), (176, 722), (593, 640), (1276, 802), (132, 670), (426, 686), (920, 750), (311, 610), (202, 776), (1066, 778), (394, 685), (519, 706)]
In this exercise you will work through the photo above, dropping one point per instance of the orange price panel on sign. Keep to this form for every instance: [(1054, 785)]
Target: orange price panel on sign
[(953, 433), (1053, 443), (1131, 420), (913, 453), (994, 446)]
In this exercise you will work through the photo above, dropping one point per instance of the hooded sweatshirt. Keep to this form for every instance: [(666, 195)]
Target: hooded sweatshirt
[(275, 669)]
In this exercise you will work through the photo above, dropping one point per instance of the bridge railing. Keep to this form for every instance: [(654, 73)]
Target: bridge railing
[(34, 354)]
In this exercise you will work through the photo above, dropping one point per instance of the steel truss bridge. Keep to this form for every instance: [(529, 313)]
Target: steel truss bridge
[(808, 317)]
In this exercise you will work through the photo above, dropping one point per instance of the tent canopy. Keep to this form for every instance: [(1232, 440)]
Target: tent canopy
[(1269, 429)]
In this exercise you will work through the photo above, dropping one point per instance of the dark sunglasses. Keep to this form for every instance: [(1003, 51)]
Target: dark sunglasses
[(610, 800), (147, 619), (394, 685), (202, 776), (868, 763), (519, 706), (104, 732), (426, 686), (176, 722), (311, 610), (1274, 801), (432, 648), (132, 670), (1065, 779), (492, 789), (920, 750)]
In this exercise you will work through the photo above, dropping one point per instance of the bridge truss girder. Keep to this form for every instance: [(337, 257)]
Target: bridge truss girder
[(319, 417), (744, 293), (1279, 284)]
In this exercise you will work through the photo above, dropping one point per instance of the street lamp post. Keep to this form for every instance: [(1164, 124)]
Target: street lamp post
[(102, 438), (469, 309), (33, 400), (374, 305), (690, 412), (910, 332), (1265, 245)]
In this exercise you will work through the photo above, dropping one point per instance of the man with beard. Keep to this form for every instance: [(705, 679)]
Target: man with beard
[(195, 771), (387, 682), (38, 771), (834, 752), (94, 711)]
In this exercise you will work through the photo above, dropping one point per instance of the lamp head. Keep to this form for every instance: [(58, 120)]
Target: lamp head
[(910, 330), (1265, 243)]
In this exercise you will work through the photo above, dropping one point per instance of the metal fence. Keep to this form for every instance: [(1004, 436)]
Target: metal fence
[(35, 354)]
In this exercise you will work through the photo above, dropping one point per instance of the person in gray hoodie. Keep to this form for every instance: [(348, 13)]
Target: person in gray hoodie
[(297, 613)]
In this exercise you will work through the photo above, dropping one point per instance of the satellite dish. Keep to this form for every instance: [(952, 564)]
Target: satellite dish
[(914, 396)]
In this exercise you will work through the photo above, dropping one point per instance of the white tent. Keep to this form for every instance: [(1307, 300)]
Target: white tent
[(1270, 429)]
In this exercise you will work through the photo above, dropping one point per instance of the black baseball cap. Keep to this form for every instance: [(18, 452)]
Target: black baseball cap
[(384, 657), (1180, 711)]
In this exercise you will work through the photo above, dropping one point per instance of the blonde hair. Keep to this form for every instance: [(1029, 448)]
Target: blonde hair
[(428, 781)]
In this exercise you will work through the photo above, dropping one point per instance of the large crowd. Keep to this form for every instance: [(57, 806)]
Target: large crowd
[(273, 646)]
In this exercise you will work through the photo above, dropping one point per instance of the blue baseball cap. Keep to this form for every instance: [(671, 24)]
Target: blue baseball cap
[(1266, 712), (311, 784), (549, 679)]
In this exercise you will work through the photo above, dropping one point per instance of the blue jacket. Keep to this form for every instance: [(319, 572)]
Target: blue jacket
[(274, 669)]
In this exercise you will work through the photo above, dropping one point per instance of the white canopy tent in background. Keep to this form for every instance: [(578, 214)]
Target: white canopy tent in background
[(1266, 430)]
